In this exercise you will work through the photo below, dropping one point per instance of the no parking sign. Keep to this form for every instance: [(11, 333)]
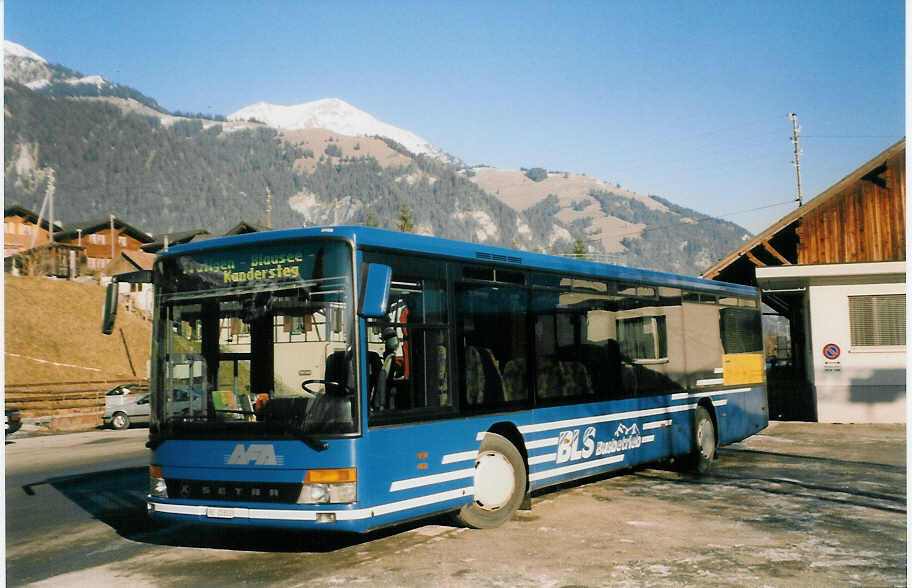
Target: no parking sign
[(831, 351)]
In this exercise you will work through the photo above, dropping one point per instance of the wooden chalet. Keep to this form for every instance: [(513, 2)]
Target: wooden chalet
[(245, 227), (22, 230), (103, 240), (835, 269), (166, 240)]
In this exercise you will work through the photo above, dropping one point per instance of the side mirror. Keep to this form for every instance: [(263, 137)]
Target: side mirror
[(375, 288), (109, 314)]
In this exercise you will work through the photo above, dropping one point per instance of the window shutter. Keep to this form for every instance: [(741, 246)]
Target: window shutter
[(877, 320)]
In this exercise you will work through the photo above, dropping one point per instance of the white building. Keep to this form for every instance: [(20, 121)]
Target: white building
[(836, 269)]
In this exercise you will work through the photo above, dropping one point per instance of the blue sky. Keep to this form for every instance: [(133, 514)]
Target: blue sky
[(685, 100)]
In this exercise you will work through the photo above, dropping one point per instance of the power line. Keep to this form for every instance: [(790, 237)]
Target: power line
[(699, 220), (850, 136)]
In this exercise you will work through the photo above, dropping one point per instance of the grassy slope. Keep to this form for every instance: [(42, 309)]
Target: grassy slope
[(60, 321)]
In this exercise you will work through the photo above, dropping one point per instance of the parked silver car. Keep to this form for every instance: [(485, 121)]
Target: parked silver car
[(123, 407), (128, 404)]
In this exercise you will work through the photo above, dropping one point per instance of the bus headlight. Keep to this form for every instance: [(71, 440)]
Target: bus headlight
[(157, 487), (336, 486)]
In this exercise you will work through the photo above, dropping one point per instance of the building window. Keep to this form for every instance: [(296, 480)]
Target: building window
[(878, 320), (122, 241)]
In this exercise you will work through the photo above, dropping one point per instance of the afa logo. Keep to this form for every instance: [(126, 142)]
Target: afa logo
[(257, 453)]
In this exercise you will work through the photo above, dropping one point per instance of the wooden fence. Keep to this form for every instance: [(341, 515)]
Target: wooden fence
[(63, 406)]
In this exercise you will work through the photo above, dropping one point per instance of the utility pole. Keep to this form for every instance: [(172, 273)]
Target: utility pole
[(797, 161), (268, 207), (48, 197), (112, 237)]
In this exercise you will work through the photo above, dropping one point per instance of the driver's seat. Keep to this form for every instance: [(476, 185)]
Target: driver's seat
[(332, 410)]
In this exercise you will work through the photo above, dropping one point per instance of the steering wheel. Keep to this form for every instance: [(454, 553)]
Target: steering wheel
[(326, 383)]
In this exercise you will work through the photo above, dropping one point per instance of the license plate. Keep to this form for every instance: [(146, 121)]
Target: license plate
[(219, 513)]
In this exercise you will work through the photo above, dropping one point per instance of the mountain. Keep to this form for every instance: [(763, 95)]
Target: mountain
[(26, 67), (164, 172), (340, 117), (615, 223)]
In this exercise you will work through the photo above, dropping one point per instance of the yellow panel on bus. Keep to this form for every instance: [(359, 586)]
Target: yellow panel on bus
[(742, 368)]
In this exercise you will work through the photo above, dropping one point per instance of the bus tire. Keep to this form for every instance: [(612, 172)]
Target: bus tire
[(500, 484), (704, 442)]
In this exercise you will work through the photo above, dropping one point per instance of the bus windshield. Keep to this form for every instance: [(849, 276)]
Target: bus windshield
[(256, 342)]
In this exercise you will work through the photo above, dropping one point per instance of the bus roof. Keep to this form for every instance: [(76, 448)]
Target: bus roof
[(465, 251)]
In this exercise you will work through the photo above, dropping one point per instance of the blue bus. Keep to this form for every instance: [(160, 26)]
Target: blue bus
[(351, 378)]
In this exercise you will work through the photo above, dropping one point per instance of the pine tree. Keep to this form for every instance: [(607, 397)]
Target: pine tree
[(579, 249), (405, 219)]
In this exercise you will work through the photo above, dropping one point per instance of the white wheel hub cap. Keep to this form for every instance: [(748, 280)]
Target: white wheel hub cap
[(494, 480)]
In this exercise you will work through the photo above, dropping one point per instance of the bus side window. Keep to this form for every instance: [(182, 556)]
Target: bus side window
[(408, 348), (649, 325), (573, 332), (493, 354)]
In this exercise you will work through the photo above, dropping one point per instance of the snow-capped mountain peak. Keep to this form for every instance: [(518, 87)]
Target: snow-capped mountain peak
[(17, 50), (337, 116)]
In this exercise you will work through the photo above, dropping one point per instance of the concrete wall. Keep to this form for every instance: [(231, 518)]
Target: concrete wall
[(863, 384)]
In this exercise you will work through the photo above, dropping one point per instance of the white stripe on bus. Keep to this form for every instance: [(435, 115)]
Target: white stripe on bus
[(656, 424), (431, 479), (711, 382), (311, 515), (683, 395), (577, 467), (543, 458), (618, 416), (457, 457), (550, 441), (632, 414), (539, 443)]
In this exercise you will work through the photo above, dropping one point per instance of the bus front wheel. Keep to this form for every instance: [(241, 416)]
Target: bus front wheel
[(500, 484), (704, 439)]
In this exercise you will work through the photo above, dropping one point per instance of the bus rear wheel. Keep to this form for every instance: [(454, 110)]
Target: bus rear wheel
[(500, 484), (704, 442)]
